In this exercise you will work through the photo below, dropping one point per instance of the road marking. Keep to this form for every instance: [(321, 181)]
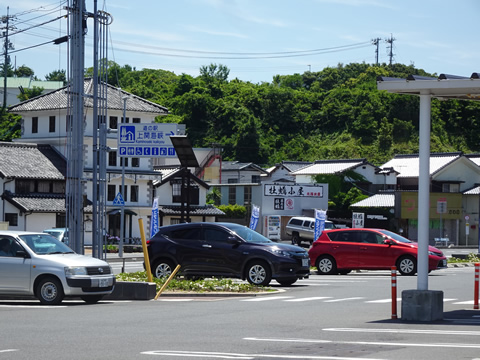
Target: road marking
[(382, 301), (221, 355), (33, 306), (268, 298), (8, 350), (469, 302), (406, 331), (379, 343), (344, 299), (309, 298), (176, 299)]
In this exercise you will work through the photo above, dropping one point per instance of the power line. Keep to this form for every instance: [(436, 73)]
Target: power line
[(243, 56)]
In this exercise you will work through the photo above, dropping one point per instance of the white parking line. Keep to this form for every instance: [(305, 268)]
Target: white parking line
[(268, 298), (379, 343), (344, 299), (469, 302), (222, 355), (382, 301), (309, 298), (8, 350), (406, 331)]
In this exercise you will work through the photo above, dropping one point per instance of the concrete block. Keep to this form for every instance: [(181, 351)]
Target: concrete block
[(132, 290), (422, 305)]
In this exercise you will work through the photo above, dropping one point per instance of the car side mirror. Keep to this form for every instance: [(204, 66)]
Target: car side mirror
[(387, 242), (233, 240), (22, 253)]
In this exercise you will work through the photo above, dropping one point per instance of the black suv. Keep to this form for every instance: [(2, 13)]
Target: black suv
[(225, 250)]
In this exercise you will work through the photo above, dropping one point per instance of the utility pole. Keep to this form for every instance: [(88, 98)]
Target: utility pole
[(376, 42), (390, 47), (7, 45)]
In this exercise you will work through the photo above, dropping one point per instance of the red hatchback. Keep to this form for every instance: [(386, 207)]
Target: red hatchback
[(343, 250)]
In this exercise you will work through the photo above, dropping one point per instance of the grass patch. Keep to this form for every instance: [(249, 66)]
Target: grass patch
[(469, 258), (206, 285)]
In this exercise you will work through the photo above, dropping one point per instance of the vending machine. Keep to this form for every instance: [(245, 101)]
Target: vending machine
[(272, 228)]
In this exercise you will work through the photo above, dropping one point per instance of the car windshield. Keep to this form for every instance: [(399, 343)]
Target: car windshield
[(57, 234), (395, 236), (248, 234), (45, 244)]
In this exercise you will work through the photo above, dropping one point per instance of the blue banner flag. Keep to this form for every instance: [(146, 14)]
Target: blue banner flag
[(254, 218), (320, 217), (154, 219)]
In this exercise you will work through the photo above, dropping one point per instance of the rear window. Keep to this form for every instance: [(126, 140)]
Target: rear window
[(187, 234), (343, 236), (296, 222)]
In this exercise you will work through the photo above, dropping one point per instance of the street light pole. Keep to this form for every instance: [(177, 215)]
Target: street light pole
[(122, 211)]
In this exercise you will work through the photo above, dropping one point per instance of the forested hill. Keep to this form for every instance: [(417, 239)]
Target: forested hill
[(336, 113)]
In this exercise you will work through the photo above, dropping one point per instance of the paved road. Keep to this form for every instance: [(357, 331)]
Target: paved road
[(324, 317)]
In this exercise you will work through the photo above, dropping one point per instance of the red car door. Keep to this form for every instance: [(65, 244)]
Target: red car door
[(345, 248), (374, 253)]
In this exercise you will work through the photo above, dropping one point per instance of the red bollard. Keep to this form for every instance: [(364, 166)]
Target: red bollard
[(475, 292), (394, 292)]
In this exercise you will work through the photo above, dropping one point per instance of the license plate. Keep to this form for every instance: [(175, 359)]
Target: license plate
[(103, 282), (304, 262)]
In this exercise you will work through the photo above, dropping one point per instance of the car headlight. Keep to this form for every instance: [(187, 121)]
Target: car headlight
[(75, 270), (282, 253)]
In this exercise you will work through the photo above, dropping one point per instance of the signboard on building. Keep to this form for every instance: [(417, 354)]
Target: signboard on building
[(438, 203), (358, 220), (280, 190), (146, 140)]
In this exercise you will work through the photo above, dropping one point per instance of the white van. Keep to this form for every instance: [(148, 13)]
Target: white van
[(40, 265), (303, 228)]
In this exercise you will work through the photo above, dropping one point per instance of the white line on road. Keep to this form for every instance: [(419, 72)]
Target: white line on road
[(8, 350), (344, 299), (309, 298), (219, 355), (382, 301), (379, 343), (268, 298), (405, 331)]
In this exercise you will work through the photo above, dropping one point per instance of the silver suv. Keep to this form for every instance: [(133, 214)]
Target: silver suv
[(303, 228)]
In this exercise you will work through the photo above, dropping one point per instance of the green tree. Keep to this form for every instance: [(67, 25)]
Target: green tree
[(57, 75), (23, 71), (26, 94)]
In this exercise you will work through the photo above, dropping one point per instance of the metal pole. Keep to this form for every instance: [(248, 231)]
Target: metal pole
[(424, 192), (122, 212)]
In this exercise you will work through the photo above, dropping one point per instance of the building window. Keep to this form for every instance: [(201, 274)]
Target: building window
[(58, 187), (232, 181), (247, 195), (113, 122), (111, 193), (12, 219), (135, 162), (34, 125), (255, 179), (136, 120), (24, 186), (451, 188), (176, 192), (51, 124), (44, 187), (61, 221), (174, 221), (112, 158), (124, 160), (232, 195), (134, 193)]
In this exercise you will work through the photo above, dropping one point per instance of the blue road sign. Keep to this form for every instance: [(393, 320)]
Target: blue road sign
[(118, 201)]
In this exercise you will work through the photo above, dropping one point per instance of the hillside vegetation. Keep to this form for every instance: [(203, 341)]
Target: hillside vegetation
[(336, 113)]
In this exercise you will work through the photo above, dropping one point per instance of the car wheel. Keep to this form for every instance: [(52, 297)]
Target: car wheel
[(287, 282), (162, 268), (326, 265), (296, 239), (50, 291), (91, 299), (259, 273), (407, 265)]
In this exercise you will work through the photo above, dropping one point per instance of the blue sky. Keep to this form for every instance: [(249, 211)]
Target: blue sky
[(257, 39)]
